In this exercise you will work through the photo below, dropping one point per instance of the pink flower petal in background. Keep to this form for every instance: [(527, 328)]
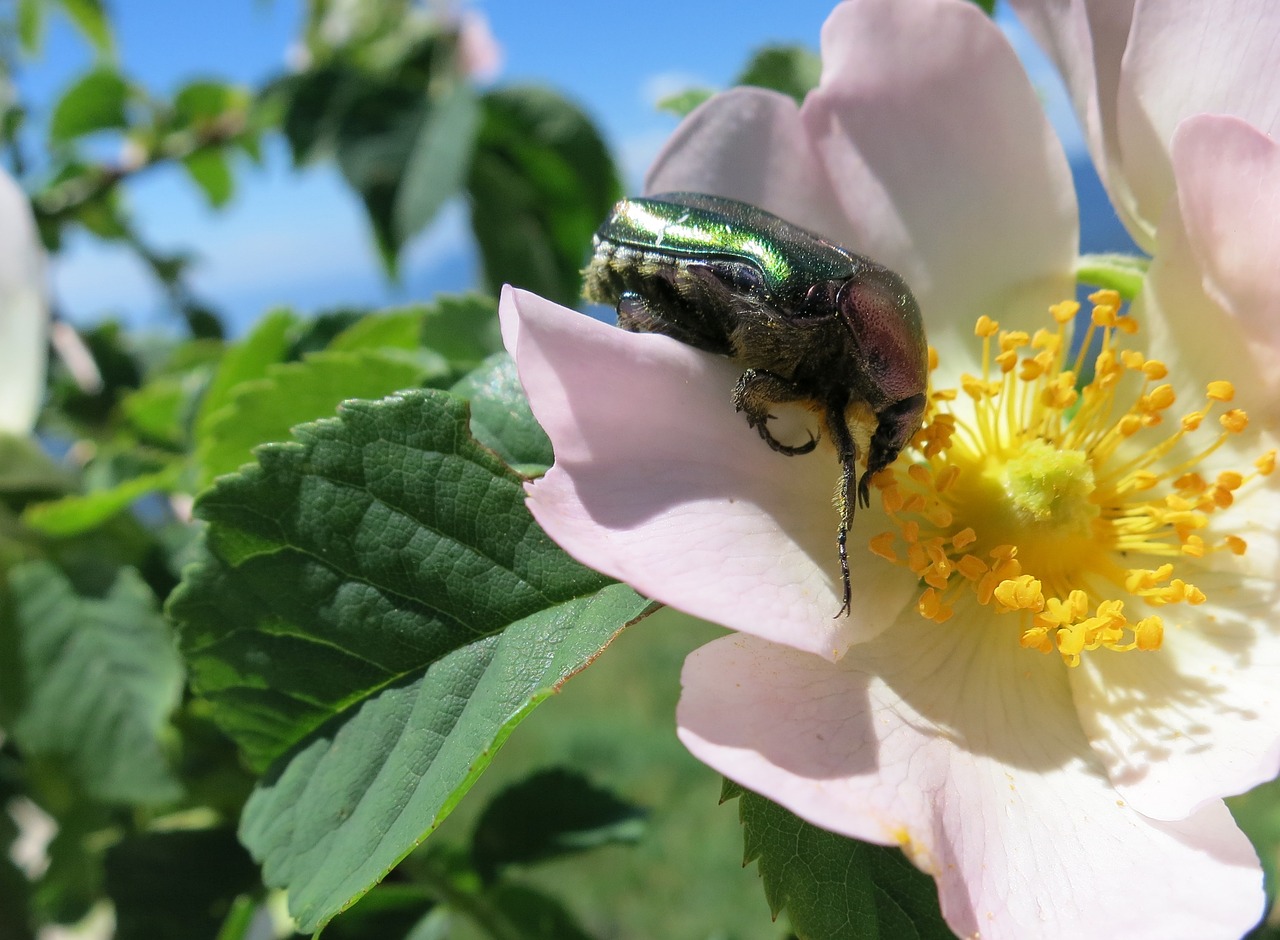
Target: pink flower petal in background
[(922, 740), (24, 314), (1137, 69)]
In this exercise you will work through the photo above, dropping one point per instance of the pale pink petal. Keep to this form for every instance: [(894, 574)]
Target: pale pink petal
[(956, 744), (749, 144), (943, 160), (1207, 303), (1136, 70), (1086, 40), (1200, 720), (659, 483), (24, 312), (1186, 58), (1229, 193)]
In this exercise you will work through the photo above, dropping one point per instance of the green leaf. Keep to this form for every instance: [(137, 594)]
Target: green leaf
[(264, 410), (267, 344), (95, 102), (792, 70), (500, 416), (541, 180), (987, 6), (201, 101), (31, 25), (1118, 272), (209, 170), (25, 469), (77, 513), (102, 676), (426, 614), (831, 887), (682, 103), (551, 813), (462, 329), (90, 18), (438, 162), (1258, 814), (375, 138), (177, 884), (160, 410), (387, 329), (528, 914)]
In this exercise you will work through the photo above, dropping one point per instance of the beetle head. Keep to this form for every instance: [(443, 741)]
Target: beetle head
[(884, 321)]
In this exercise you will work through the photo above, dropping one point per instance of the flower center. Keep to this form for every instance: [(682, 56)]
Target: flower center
[(1040, 504)]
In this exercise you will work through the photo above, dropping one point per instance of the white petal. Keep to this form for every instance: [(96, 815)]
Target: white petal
[(24, 314), (1192, 57), (659, 483), (1086, 40), (944, 161), (956, 744), (1200, 719)]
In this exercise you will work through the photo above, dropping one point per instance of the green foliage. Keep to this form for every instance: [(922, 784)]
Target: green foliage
[(549, 814), (95, 102), (831, 887), (181, 883), (540, 183), (407, 647), (101, 677), (792, 70)]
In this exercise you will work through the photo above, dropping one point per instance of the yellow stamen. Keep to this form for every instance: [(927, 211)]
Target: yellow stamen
[(1040, 502)]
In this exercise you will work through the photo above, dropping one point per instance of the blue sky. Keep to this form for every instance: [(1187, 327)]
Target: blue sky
[(300, 238)]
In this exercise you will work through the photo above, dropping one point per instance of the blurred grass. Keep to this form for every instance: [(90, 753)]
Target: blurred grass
[(615, 723)]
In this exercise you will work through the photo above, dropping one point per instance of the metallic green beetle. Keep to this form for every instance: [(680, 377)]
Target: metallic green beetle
[(808, 320)]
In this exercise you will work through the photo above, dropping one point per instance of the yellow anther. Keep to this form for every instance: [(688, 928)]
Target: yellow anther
[(1191, 422), (1105, 297), (932, 608), (1221, 391), (946, 480), (1191, 482), (1155, 370), (1127, 325), (985, 327), (1036, 638), (964, 538), (1045, 340), (1065, 311), (971, 567), (1266, 464), (1230, 480), (1148, 633), (882, 545), (1161, 397), (1013, 339), (1193, 546), (1234, 421), (1020, 593), (1236, 545), (933, 358)]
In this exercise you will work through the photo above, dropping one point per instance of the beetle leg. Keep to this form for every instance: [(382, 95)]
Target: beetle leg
[(847, 451), (755, 392)]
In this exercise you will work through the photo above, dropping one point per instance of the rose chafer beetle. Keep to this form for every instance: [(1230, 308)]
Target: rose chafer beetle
[(809, 321)]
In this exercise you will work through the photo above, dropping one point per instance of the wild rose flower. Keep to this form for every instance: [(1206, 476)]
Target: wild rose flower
[(1060, 655), (24, 315)]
